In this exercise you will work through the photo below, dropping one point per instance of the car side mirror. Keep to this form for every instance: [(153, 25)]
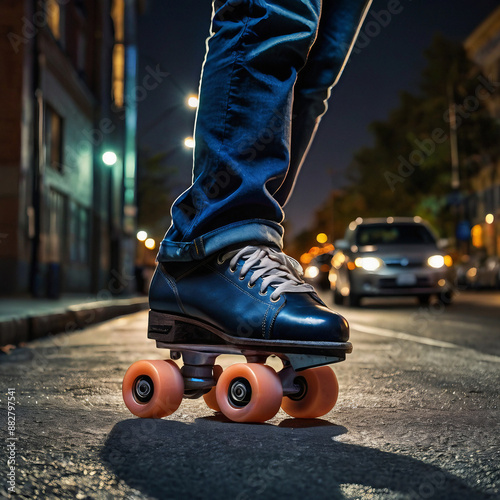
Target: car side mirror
[(342, 245)]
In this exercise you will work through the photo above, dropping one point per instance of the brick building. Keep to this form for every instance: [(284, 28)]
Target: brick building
[(483, 206), (67, 213)]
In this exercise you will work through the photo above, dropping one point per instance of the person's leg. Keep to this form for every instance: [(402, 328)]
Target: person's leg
[(339, 25), (242, 131), (219, 266)]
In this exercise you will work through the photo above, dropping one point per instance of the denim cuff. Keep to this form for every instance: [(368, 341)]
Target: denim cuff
[(257, 232)]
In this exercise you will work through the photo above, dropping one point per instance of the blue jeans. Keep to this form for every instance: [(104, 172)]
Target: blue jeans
[(267, 75)]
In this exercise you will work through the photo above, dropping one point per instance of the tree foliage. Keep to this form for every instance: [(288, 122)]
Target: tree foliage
[(407, 171)]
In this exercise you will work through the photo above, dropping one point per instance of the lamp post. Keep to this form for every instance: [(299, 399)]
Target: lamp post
[(109, 159)]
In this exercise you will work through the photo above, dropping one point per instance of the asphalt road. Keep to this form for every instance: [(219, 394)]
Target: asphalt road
[(417, 418)]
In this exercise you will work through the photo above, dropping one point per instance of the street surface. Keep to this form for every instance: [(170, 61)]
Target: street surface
[(417, 417)]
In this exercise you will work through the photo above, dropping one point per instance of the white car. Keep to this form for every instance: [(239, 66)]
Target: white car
[(397, 256)]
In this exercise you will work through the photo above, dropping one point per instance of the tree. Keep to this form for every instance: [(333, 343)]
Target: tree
[(408, 169)]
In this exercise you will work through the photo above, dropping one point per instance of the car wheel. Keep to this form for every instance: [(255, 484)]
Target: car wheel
[(445, 297), (424, 300), (338, 299), (354, 300)]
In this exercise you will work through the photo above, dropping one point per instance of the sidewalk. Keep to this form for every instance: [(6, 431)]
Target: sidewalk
[(25, 318)]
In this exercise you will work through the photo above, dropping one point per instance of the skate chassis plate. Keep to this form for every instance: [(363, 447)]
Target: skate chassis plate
[(182, 334)]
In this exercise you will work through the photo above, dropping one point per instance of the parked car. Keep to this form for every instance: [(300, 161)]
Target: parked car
[(479, 271), (318, 270), (389, 257)]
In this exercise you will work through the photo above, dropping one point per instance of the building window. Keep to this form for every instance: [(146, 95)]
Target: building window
[(54, 231), (81, 51), (53, 12), (53, 138), (78, 234), (118, 75)]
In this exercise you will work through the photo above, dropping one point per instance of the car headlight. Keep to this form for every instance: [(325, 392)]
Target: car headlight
[(436, 261), (311, 272), (368, 263)]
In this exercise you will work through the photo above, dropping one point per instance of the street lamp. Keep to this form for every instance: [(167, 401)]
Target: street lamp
[(142, 235), (321, 238), (193, 101), (109, 158), (150, 244), (189, 142)]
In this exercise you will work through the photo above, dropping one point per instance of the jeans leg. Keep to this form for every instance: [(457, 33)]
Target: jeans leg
[(243, 125), (338, 28)]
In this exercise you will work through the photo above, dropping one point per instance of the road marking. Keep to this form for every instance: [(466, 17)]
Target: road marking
[(384, 332)]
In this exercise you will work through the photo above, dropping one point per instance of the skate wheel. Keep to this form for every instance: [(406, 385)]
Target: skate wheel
[(210, 397), (153, 389), (318, 395), (249, 392)]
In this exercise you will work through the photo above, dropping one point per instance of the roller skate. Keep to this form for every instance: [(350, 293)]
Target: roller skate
[(252, 302)]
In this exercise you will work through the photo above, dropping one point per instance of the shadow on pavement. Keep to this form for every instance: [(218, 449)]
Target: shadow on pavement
[(215, 458)]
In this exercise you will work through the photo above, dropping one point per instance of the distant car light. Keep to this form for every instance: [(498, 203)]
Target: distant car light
[(436, 261), (311, 272), (368, 263), (472, 272)]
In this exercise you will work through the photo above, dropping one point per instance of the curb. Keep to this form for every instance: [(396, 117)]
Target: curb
[(75, 317)]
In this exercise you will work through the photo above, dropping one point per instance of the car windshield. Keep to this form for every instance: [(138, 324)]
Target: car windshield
[(393, 234)]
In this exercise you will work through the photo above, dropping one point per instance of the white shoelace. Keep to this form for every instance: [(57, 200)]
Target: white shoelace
[(275, 268)]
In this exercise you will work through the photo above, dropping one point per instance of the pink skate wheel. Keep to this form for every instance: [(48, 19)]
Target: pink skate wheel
[(318, 395), (249, 392), (210, 397), (153, 389)]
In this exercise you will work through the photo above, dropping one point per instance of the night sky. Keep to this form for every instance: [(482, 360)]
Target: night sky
[(173, 35)]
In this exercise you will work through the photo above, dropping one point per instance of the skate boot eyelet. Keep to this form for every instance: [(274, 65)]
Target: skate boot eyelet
[(231, 270), (220, 259), (277, 299), (263, 294), (250, 285), (242, 278)]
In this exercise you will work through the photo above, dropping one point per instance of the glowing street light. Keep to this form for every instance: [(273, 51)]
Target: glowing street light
[(150, 243), (193, 101), (142, 235), (109, 158), (489, 219), (189, 142), (322, 238)]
